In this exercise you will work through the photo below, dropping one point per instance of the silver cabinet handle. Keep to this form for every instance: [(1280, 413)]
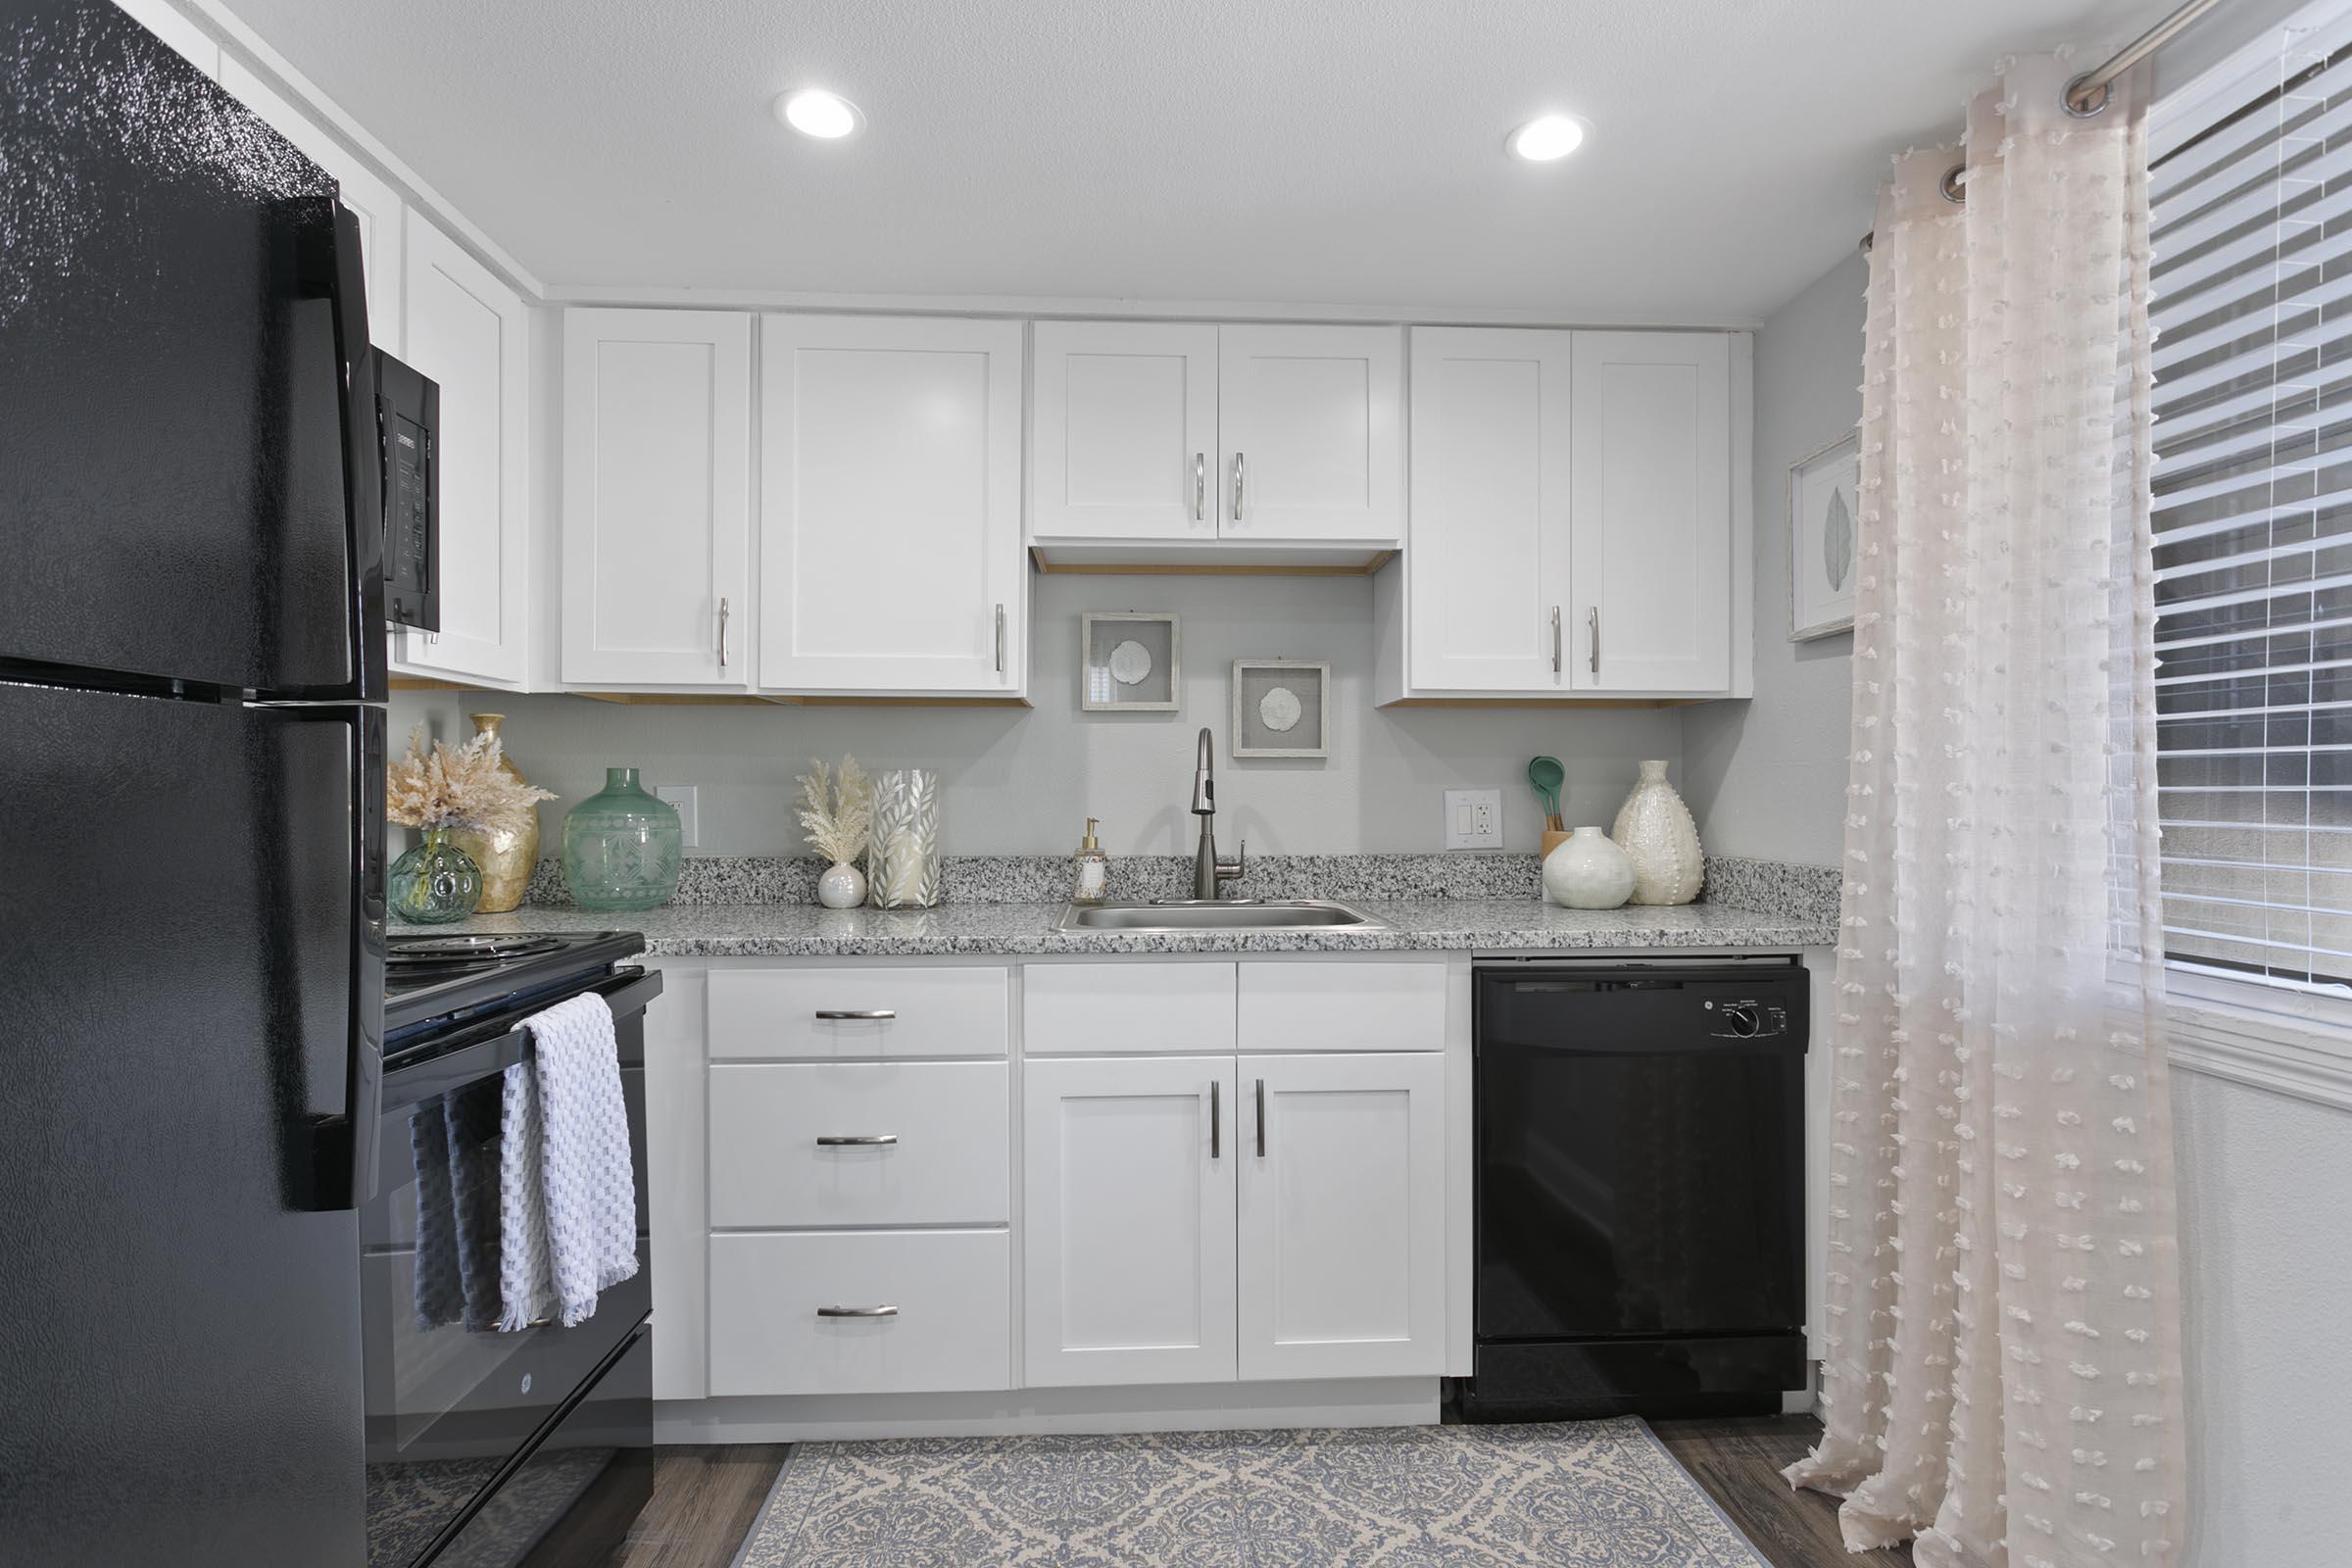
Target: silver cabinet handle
[(856, 1140), (1261, 1118), (722, 631), (1555, 641), (1200, 487), (999, 639), (857, 1311), (1239, 484), (1215, 1148), (1595, 621), (866, 1015)]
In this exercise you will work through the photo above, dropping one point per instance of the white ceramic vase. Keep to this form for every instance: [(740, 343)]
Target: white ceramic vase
[(1586, 872), (1656, 830), (841, 887)]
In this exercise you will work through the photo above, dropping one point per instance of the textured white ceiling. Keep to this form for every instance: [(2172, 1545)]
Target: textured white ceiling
[(1336, 151)]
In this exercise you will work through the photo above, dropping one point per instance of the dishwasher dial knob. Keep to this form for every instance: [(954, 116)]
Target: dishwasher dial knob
[(1741, 1018)]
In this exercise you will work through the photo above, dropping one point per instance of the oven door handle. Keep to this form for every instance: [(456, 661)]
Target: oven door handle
[(626, 992)]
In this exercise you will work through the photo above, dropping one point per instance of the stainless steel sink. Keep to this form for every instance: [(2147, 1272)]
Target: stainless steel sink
[(1219, 914)]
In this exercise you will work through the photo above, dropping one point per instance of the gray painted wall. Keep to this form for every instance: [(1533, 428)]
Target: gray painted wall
[(1024, 782), (1765, 777)]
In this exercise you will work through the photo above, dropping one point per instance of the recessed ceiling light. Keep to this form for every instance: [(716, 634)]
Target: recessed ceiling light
[(815, 112), (1548, 137)]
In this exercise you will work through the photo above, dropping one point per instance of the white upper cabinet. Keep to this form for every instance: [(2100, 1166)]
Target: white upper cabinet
[(372, 200), (1129, 1220), (1652, 555), (469, 332), (1168, 433), (1343, 1215), (1123, 431), (657, 499), (1488, 548), (890, 507), (1310, 423)]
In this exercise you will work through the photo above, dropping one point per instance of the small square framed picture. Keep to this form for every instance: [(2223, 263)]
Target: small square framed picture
[(1823, 554), (1130, 663), (1281, 708)]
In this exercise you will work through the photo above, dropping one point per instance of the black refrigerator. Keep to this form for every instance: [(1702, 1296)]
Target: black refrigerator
[(191, 768)]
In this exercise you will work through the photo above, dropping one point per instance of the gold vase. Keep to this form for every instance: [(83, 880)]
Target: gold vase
[(506, 859)]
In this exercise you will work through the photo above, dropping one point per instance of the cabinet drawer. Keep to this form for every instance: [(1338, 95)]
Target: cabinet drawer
[(913, 1012), (946, 1167), (1343, 1007), (1102, 1009), (952, 1327)]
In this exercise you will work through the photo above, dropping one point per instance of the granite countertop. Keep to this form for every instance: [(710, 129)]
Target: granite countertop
[(1023, 930)]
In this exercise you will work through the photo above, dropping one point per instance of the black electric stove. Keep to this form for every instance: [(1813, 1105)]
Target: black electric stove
[(433, 983), (483, 1442)]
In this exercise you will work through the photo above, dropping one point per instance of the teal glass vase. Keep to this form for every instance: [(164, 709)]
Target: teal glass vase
[(434, 883), (623, 846)]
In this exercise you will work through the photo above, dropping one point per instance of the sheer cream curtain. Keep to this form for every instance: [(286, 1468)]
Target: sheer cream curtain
[(2002, 1375)]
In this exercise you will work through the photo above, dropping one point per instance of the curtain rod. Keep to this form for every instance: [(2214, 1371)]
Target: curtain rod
[(2087, 94)]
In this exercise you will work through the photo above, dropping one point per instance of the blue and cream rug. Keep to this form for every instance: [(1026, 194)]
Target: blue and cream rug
[(1585, 1494)]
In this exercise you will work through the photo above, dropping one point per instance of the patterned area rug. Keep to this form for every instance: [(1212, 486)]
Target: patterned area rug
[(1577, 1495)]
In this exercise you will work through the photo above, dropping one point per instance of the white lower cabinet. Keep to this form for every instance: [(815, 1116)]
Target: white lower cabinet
[(1195, 1220), (861, 1312), (1343, 1215), (869, 1142), (1128, 1219)]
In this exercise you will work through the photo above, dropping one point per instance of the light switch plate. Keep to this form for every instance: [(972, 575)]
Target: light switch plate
[(1474, 820), (687, 799)]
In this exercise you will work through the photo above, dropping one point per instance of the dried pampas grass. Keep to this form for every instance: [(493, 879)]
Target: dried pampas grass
[(837, 808), (457, 787)]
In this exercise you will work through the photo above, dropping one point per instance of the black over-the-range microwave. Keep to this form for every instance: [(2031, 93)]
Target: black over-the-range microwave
[(408, 418)]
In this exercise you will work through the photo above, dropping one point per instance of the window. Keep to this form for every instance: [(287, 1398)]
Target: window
[(2251, 193)]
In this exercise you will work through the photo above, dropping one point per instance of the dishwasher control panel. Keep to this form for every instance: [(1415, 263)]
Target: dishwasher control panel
[(1745, 1018)]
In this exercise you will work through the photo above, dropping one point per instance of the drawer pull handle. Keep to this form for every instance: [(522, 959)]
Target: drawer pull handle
[(857, 1311), (859, 1014), (856, 1140)]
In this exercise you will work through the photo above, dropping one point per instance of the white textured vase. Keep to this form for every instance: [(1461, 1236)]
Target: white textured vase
[(841, 887), (901, 857), (1656, 830), (1586, 872)]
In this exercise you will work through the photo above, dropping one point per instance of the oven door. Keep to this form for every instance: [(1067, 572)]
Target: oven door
[(452, 1402)]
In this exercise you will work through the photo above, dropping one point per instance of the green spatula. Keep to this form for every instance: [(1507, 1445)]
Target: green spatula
[(1547, 775)]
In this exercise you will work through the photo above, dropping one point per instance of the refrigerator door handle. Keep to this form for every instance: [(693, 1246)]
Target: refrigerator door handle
[(363, 462)]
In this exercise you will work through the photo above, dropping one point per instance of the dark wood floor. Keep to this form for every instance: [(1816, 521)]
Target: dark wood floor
[(705, 1498), (1739, 1460)]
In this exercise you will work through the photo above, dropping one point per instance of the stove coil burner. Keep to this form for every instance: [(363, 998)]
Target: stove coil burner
[(419, 953)]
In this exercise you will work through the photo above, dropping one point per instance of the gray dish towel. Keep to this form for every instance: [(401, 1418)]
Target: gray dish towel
[(566, 1202)]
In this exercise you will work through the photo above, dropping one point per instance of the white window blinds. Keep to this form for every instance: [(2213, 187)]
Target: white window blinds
[(2252, 229)]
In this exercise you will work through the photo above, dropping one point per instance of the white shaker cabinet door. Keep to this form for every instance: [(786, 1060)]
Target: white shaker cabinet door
[(1652, 565), (1123, 431), (1128, 1238), (1311, 424), (469, 334), (1489, 554), (890, 507), (1343, 1215), (656, 498)]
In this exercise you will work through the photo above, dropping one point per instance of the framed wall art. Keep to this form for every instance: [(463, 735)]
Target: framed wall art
[(1281, 708), (1823, 557), (1130, 663)]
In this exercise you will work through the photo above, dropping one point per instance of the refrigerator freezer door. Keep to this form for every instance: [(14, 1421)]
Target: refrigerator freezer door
[(181, 1363), (172, 432)]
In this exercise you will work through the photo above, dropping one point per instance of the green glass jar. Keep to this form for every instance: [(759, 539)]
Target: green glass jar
[(434, 883), (622, 846)]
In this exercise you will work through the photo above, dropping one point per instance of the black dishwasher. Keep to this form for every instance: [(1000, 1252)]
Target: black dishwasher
[(1640, 1190)]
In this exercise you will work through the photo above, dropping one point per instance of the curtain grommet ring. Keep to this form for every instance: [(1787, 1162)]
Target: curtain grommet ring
[(2085, 102)]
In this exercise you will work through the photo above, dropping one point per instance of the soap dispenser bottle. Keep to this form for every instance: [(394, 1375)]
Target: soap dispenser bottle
[(1092, 870)]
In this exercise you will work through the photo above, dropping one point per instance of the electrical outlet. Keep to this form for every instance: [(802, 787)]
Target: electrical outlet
[(687, 799), (1474, 820)]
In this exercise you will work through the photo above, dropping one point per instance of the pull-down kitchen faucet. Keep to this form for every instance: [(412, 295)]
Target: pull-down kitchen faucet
[(1208, 869)]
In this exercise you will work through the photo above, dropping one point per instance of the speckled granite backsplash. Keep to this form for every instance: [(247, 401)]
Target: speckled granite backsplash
[(1799, 892)]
